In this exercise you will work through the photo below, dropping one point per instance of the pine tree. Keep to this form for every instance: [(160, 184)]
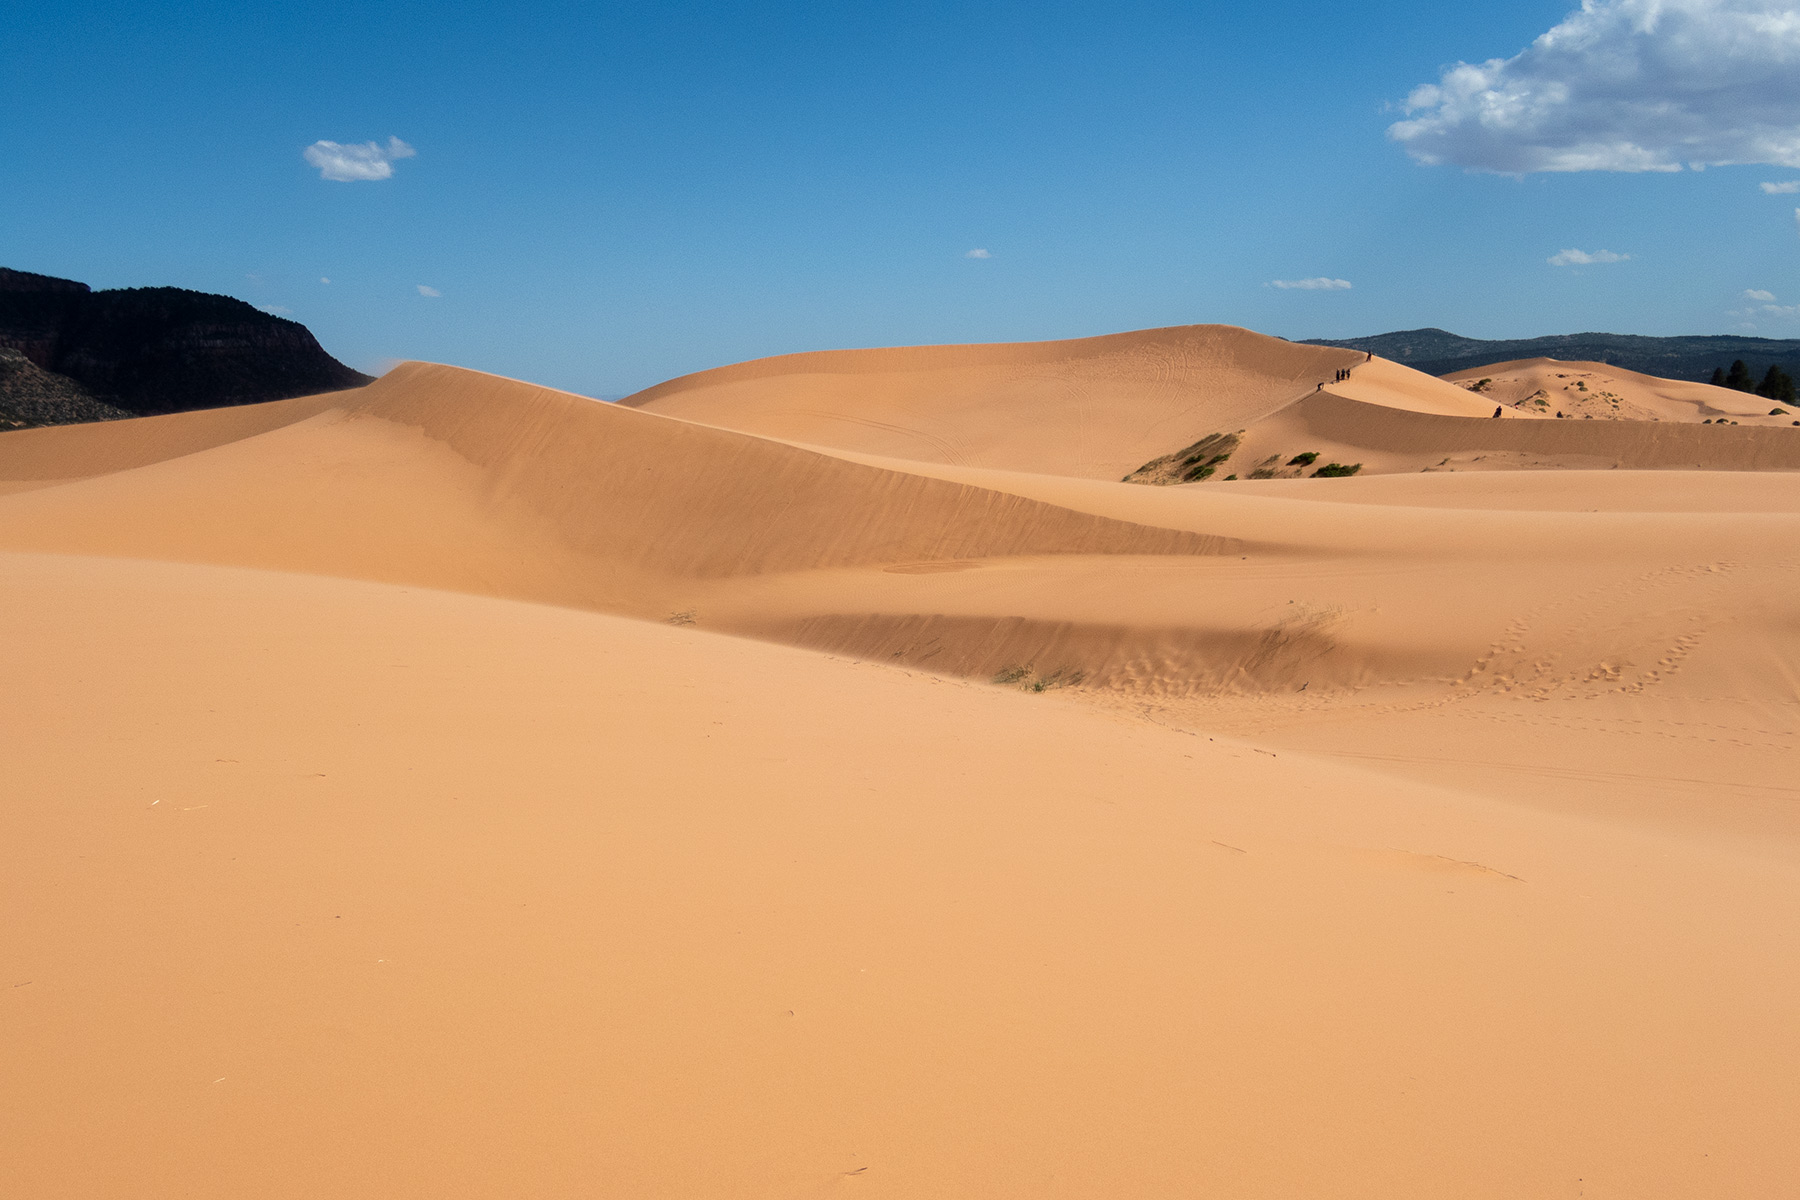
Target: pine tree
[(1777, 385), (1718, 379), (1739, 377)]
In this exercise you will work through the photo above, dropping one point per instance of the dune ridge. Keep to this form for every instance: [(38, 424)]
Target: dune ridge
[(570, 500), (1107, 407), (1092, 407), (1607, 392), (1386, 439)]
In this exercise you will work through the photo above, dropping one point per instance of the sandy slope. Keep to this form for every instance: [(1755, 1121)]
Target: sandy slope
[(1561, 491), (1378, 381), (337, 889), (1586, 389), (1385, 439), (456, 479), (453, 479), (335, 882), (1094, 407)]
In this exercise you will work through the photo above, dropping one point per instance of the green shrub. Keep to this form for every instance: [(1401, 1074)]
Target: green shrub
[(1336, 470), (1304, 460), (1027, 680)]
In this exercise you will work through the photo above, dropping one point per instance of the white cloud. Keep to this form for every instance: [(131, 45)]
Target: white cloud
[(1623, 85), (1790, 311), (322, 279), (1758, 294), (1785, 188), (1320, 284), (428, 291), (1797, 216), (1581, 258), (978, 254), (361, 160)]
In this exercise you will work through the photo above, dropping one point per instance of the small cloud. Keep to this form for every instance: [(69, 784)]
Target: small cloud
[(1758, 294), (978, 254), (1797, 216), (277, 310), (322, 279), (1785, 188), (361, 160), (1787, 311), (1581, 258), (429, 291), (1319, 284)]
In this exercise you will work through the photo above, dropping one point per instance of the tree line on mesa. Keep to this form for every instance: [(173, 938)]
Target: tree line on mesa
[(1776, 385)]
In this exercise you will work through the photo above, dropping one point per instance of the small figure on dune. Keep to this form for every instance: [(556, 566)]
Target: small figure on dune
[(1496, 410)]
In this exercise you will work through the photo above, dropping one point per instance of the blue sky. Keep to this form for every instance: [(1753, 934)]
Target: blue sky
[(606, 196)]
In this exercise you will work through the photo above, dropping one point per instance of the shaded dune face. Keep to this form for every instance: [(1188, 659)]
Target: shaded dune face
[(453, 478)]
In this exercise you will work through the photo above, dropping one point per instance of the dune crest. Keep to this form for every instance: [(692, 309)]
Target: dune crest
[(1095, 408), (451, 478)]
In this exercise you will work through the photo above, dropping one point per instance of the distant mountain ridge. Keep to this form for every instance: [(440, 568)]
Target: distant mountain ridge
[(139, 351), (1439, 352)]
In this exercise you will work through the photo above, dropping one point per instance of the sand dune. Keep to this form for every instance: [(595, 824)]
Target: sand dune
[(450, 478), (1096, 408), (62, 452), (1391, 385), (1384, 439), (1418, 835), (407, 894), (1586, 389), (1561, 491), (1101, 408)]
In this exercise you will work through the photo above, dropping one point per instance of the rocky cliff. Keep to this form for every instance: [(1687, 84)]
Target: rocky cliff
[(151, 350)]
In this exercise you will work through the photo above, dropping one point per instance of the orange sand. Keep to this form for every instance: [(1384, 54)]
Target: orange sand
[(1585, 389), (410, 794)]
